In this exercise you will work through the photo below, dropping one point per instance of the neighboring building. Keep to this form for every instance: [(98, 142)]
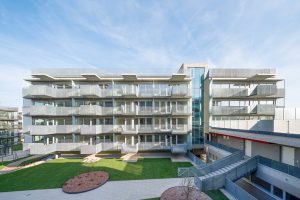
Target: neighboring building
[(88, 112), (9, 134)]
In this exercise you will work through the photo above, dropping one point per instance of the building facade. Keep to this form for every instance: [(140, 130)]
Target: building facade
[(88, 112), (9, 129)]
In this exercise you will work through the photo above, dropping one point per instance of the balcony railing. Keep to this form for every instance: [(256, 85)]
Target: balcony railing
[(95, 129), (181, 110), (152, 146), (264, 109), (229, 110), (229, 92), (145, 110), (52, 129), (180, 129), (49, 111)]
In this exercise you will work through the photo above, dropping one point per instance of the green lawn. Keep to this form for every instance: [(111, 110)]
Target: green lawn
[(54, 173), (216, 195)]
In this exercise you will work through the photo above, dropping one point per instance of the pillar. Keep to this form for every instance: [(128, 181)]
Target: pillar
[(91, 140), (166, 140), (272, 189), (47, 141), (125, 140), (132, 140), (176, 138)]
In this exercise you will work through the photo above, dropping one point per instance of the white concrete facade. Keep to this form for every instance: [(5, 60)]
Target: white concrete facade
[(103, 112)]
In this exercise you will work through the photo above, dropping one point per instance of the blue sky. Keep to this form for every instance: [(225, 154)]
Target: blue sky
[(153, 37)]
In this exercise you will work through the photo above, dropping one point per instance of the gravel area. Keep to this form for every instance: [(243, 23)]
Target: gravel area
[(85, 182), (181, 193)]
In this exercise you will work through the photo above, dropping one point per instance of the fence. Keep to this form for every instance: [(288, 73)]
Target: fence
[(285, 168)]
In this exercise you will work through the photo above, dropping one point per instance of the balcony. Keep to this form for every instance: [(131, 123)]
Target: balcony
[(264, 109), (181, 92), (268, 91), (91, 149), (147, 146), (90, 91), (95, 110), (145, 110), (45, 91), (180, 129), (49, 111), (229, 110), (52, 129), (40, 148), (181, 110), (125, 110), (179, 148), (125, 91), (95, 129), (229, 92)]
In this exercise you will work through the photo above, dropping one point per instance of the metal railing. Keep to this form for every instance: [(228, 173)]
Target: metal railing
[(218, 181), (229, 110), (285, 168), (257, 132), (229, 92), (237, 191), (218, 164), (196, 160)]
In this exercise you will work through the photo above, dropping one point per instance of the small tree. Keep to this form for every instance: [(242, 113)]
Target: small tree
[(188, 185)]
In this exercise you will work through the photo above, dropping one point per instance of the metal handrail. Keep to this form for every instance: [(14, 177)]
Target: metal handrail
[(259, 132)]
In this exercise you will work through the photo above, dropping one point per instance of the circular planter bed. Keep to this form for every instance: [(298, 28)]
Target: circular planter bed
[(183, 193), (85, 182)]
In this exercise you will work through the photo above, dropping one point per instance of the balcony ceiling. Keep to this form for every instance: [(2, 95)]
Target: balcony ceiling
[(259, 77)]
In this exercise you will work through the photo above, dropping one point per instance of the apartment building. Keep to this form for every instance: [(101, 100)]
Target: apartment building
[(86, 111), (9, 134)]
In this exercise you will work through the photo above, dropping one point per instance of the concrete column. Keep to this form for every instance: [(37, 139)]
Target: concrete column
[(272, 189), (132, 123), (176, 138), (171, 139), (125, 140), (47, 141), (132, 140), (166, 140), (284, 195), (53, 139), (73, 138), (159, 138)]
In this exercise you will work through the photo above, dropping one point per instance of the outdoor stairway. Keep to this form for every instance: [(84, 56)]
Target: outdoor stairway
[(222, 170)]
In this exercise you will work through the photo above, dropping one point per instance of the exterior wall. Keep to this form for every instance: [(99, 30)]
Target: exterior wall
[(288, 155), (128, 111), (297, 157), (271, 151), (232, 142), (279, 179)]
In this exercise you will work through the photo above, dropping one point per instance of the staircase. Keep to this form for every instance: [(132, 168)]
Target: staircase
[(222, 170)]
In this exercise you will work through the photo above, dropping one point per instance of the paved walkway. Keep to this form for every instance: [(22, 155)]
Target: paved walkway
[(112, 190), (15, 165)]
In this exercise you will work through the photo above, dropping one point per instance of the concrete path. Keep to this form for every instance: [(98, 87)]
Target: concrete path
[(112, 190)]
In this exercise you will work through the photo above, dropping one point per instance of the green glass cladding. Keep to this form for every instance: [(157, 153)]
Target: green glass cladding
[(197, 75)]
